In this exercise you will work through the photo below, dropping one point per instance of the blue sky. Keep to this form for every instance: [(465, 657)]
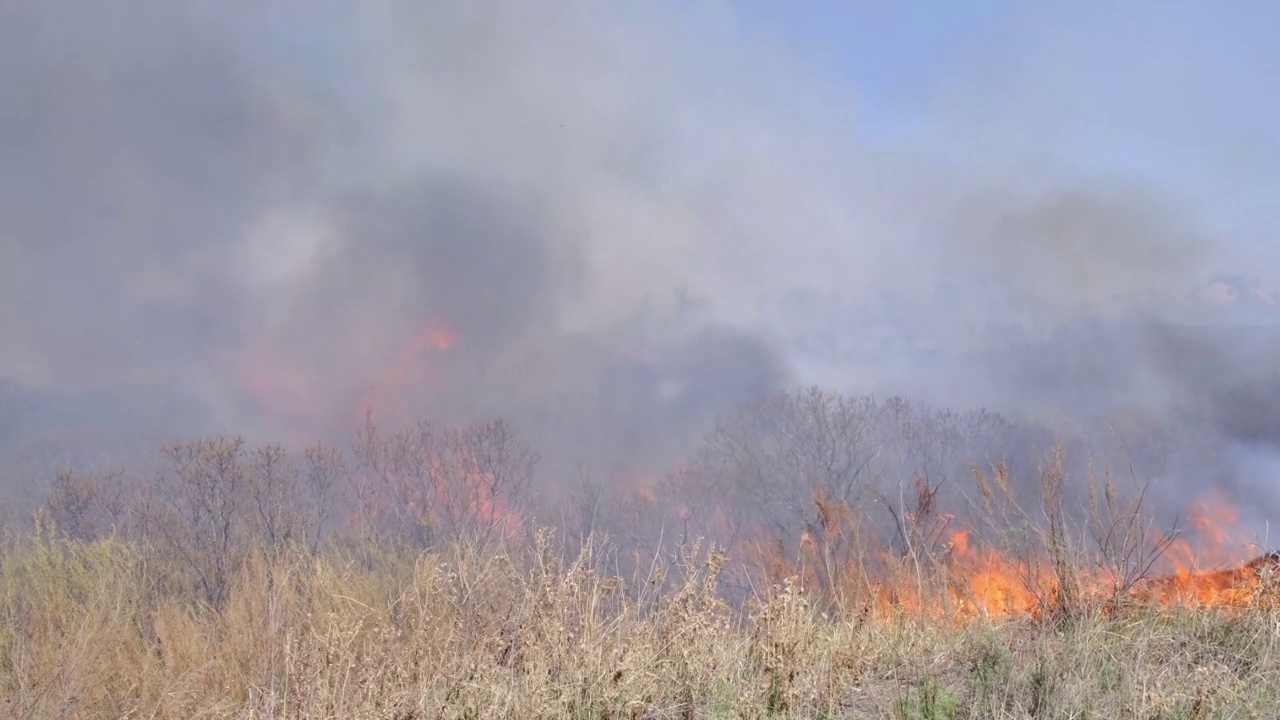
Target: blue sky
[(892, 52), (1183, 95)]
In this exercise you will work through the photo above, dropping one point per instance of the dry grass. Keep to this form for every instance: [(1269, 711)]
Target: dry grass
[(87, 631)]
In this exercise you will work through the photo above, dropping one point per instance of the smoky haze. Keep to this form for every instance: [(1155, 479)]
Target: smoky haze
[(609, 224)]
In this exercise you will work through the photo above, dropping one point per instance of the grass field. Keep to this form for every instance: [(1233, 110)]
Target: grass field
[(237, 585), (97, 630)]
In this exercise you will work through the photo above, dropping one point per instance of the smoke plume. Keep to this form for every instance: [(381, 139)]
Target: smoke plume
[(609, 224)]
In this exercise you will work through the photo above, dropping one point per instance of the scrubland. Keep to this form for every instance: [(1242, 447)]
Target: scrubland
[(456, 633), (228, 585)]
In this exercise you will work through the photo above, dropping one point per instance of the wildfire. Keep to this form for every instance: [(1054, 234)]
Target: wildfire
[(437, 479), (1194, 579), (414, 365), (954, 575), (961, 576), (989, 584), (1212, 520), (443, 486), (1245, 585)]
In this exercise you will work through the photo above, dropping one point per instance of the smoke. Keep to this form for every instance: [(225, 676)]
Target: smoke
[(607, 223), (1080, 251), (260, 213)]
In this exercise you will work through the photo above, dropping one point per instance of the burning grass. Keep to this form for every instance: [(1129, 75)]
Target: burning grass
[(466, 632), (238, 611), (1008, 561)]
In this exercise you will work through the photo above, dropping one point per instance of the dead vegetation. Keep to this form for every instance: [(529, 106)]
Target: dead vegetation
[(413, 578), (457, 633)]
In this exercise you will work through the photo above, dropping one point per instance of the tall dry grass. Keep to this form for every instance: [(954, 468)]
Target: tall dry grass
[(91, 630), (217, 592)]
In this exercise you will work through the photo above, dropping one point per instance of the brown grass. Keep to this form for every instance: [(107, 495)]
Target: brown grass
[(216, 592), (88, 631)]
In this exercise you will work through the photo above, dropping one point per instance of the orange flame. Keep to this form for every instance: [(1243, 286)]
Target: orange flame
[(961, 577), (453, 498), (1212, 519), (989, 584), (462, 495), (413, 365)]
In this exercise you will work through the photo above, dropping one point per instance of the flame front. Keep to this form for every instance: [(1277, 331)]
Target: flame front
[(1191, 572), (947, 571), (989, 584), (952, 574)]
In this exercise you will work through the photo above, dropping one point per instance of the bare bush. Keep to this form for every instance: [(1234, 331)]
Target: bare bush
[(88, 506), (205, 497), (325, 472), (279, 508), (491, 470), (428, 483), (581, 511), (1128, 544), (769, 464)]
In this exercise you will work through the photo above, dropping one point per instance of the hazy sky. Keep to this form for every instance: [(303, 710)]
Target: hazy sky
[(1179, 93)]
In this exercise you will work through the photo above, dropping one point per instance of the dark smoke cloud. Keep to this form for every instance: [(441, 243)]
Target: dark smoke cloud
[(472, 257)]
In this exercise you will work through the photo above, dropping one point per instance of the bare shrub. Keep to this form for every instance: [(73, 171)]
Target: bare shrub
[(204, 500), (325, 471), (490, 470), (1128, 545), (762, 470), (89, 506), (280, 510), (581, 511), (429, 484)]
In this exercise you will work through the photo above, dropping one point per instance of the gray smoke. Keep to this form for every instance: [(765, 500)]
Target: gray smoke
[(262, 219), (609, 224)]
